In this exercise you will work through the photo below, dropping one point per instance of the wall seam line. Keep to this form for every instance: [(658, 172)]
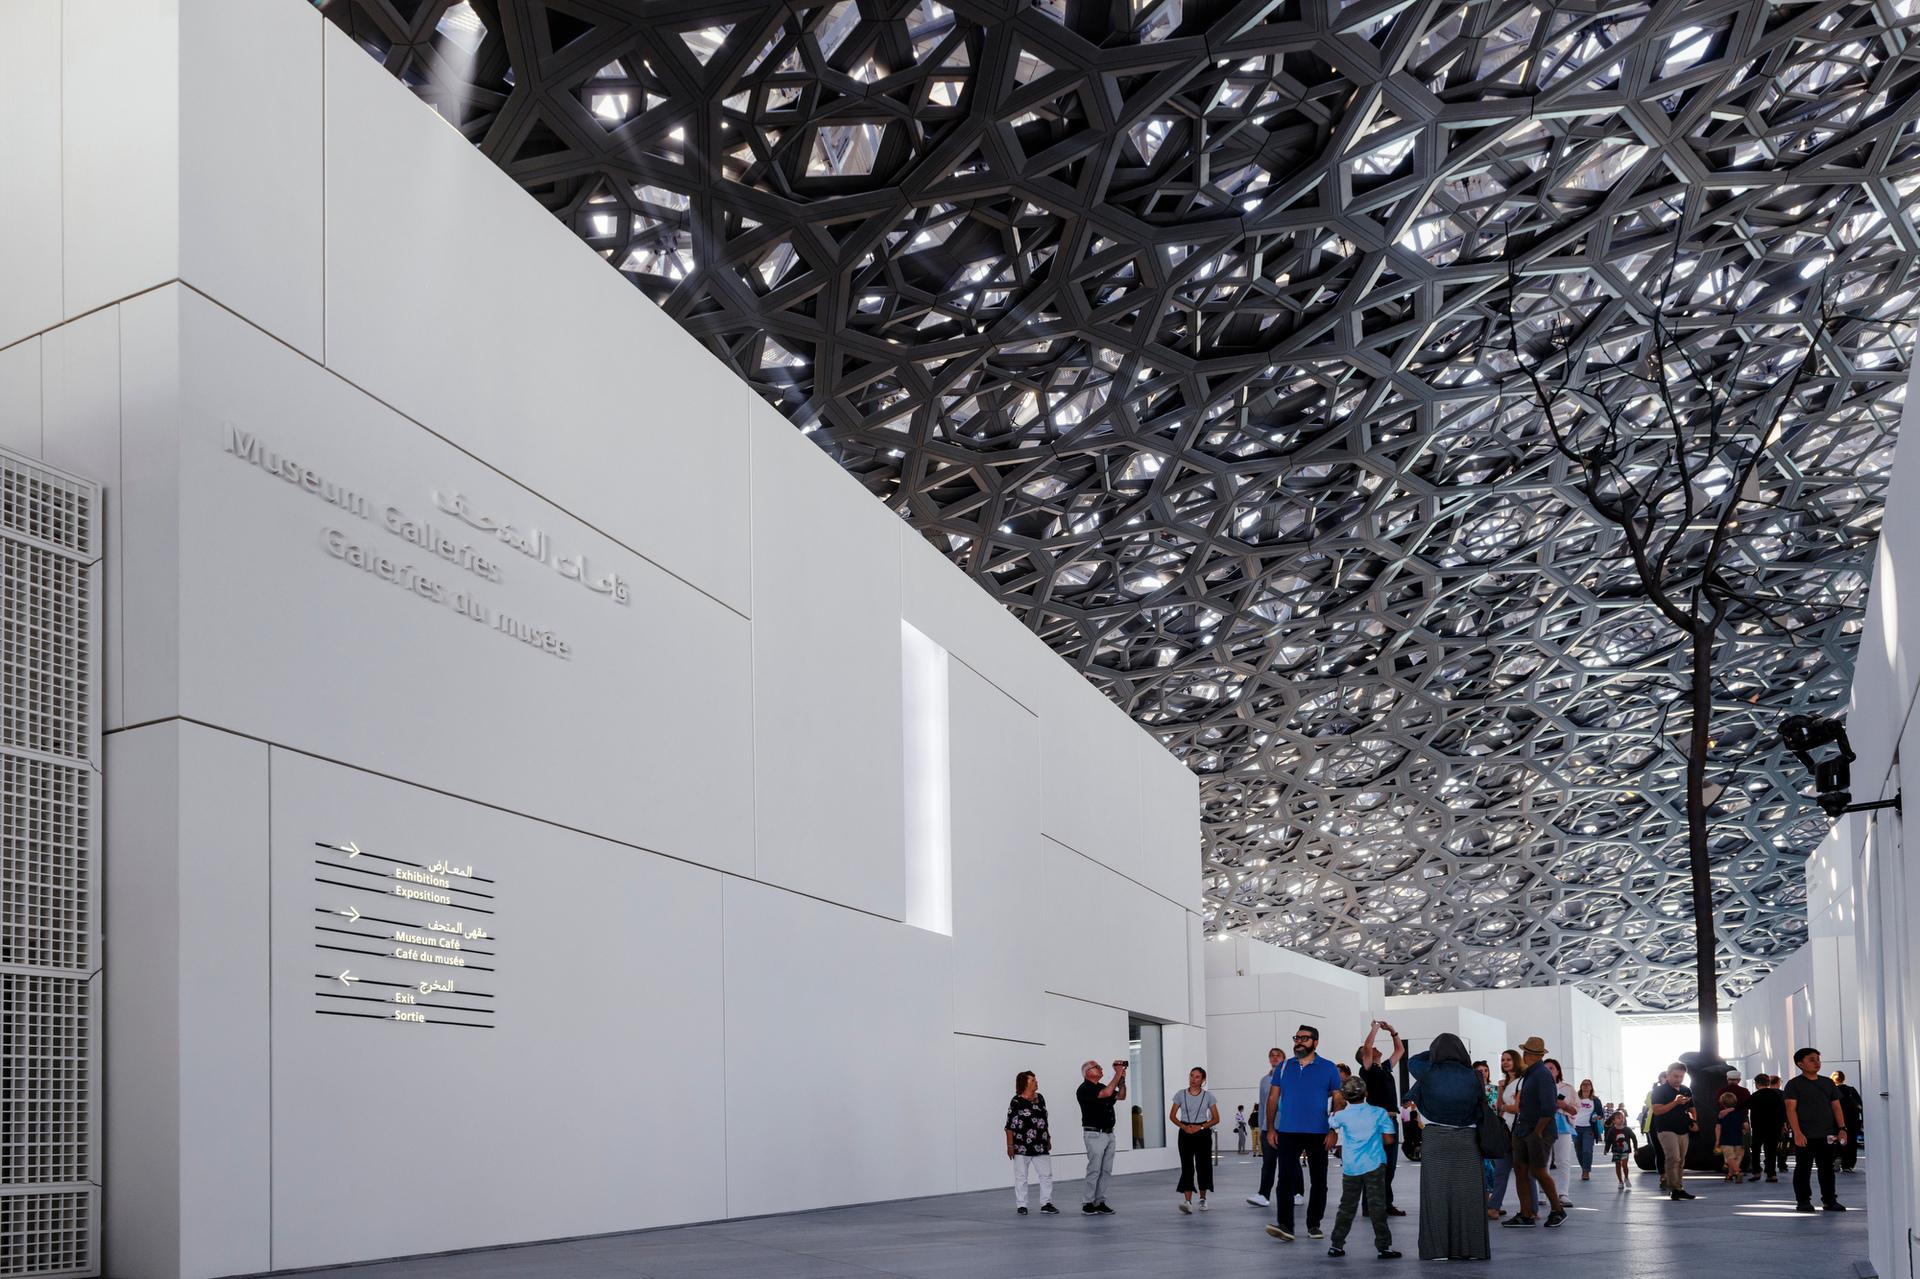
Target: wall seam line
[(1122, 874), (600, 836)]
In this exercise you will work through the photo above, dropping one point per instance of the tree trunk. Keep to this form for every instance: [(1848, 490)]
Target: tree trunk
[(1698, 742)]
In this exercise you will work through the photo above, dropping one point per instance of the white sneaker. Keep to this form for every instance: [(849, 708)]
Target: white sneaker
[(1203, 1205), (1185, 1206), (1259, 1201)]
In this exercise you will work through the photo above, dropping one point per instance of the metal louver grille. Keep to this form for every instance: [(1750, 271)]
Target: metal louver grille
[(49, 857)]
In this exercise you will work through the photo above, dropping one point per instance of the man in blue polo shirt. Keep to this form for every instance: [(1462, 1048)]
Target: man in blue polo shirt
[(1296, 1119)]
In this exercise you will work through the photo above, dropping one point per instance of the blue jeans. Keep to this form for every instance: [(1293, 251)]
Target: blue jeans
[(1499, 1173), (1583, 1147)]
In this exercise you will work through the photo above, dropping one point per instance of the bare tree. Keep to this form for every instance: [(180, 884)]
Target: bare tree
[(1670, 411)]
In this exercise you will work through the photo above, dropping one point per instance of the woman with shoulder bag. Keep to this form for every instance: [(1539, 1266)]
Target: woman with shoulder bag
[(1448, 1094), (1506, 1100), (1196, 1114)]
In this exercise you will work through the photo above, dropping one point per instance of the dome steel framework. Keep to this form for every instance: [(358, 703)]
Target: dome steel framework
[(1179, 326)]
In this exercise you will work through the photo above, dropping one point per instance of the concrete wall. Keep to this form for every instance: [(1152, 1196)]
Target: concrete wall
[(1582, 1035), (705, 988), (1485, 1036), (1258, 994), (1885, 909), (1812, 997)]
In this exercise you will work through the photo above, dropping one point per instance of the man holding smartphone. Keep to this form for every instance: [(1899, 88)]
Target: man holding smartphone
[(1674, 1120), (1096, 1125)]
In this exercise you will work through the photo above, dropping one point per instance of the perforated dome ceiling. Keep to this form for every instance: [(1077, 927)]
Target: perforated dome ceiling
[(1174, 324)]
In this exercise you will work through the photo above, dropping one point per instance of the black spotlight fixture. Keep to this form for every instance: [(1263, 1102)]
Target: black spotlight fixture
[(1804, 735)]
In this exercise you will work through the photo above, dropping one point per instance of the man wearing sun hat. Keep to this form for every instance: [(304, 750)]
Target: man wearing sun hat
[(1533, 1135)]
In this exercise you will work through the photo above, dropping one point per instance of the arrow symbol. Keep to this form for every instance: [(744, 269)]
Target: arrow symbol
[(351, 914), (351, 849), (347, 978)]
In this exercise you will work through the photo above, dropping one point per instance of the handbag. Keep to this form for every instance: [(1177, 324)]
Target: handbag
[(1491, 1134)]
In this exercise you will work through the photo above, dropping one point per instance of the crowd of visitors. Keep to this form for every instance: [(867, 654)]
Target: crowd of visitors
[(1529, 1126)]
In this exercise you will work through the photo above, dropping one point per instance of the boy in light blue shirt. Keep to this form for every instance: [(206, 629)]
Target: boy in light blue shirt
[(1360, 1131)]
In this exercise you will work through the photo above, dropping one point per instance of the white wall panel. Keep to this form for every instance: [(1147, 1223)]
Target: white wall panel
[(596, 1104), (945, 605), (143, 1071), (30, 159), (1114, 941), (143, 568), (1001, 911), (20, 396), (1761, 1042), (251, 233), (185, 876), (1595, 1045), (226, 1078), (1581, 1034), (982, 1085), (839, 1040), (1077, 1031), (1237, 1045), (1170, 860), (1232, 995), (1090, 773), (80, 363), (1887, 666), (640, 736), (826, 677), (1341, 1020), (546, 364), (1243, 956), (1185, 1047), (1484, 1036), (1873, 721), (1885, 954), (120, 128), (81, 409)]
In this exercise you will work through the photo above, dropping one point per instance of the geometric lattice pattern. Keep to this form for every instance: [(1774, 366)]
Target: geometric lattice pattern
[(1178, 325), (49, 859)]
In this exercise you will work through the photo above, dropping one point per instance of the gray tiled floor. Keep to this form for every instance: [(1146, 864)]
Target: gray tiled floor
[(1727, 1232)]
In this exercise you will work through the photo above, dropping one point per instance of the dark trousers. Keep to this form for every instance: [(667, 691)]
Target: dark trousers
[(1314, 1146), (1386, 1176), (1368, 1189), (1269, 1162), (1766, 1150), (1196, 1162), (1816, 1153), (1851, 1151)]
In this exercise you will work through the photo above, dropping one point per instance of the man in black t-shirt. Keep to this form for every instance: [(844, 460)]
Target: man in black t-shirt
[(1376, 1072), (1768, 1111), (1819, 1129), (1096, 1127), (1671, 1107)]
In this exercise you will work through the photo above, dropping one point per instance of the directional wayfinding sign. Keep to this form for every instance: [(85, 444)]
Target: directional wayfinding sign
[(405, 936)]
